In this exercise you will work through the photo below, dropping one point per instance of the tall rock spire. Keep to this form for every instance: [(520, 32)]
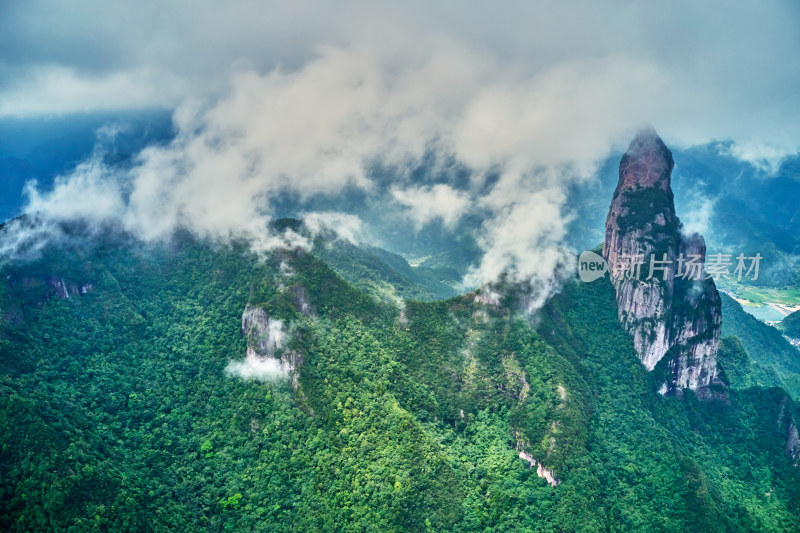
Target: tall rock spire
[(663, 299)]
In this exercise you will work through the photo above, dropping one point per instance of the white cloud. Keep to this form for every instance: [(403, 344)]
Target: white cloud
[(427, 203), (345, 226), (88, 192), (49, 89), (717, 59), (23, 239), (260, 363), (698, 215), (313, 132), (526, 235), (258, 369), (300, 100), (766, 158)]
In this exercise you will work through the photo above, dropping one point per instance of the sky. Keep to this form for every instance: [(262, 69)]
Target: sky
[(304, 98)]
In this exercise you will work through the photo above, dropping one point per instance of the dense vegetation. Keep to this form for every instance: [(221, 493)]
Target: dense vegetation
[(383, 273), (769, 352), (642, 203), (116, 412), (791, 325)]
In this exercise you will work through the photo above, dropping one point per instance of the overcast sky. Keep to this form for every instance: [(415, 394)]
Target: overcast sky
[(299, 96), (732, 67)]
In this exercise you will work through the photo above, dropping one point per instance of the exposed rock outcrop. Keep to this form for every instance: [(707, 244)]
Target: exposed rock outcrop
[(541, 471), (264, 334), (792, 446), (663, 297), (301, 300), (57, 285), (267, 358), (787, 424), (488, 296), (515, 384)]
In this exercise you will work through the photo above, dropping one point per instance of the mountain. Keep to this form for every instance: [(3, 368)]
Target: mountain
[(671, 309), (770, 354), (791, 325), (186, 385), (738, 206), (189, 386)]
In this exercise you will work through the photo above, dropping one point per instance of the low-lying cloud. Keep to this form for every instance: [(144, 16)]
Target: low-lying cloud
[(258, 369), (337, 225), (528, 116), (264, 340), (425, 204), (314, 132)]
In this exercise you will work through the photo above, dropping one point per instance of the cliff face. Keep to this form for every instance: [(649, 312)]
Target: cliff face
[(663, 298), (267, 356)]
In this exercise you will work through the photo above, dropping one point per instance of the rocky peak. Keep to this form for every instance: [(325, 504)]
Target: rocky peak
[(669, 311), (646, 163)]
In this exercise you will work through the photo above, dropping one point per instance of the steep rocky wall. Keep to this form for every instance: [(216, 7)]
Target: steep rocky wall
[(664, 311)]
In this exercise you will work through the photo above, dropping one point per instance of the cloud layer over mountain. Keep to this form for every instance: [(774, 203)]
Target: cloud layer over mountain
[(304, 98)]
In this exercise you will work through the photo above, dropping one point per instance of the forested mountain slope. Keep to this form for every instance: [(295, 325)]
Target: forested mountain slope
[(791, 325), (767, 348), (119, 409)]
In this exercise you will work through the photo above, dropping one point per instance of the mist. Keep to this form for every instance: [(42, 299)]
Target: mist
[(305, 100)]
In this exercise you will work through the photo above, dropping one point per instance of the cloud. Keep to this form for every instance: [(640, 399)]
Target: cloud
[(22, 239), (257, 369), (88, 196), (526, 236), (313, 133), (764, 157), (68, 57), (53, 89), (425, 204), (260, 363), (89, 190), (698, 214), (306, 99), (345, 226)]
